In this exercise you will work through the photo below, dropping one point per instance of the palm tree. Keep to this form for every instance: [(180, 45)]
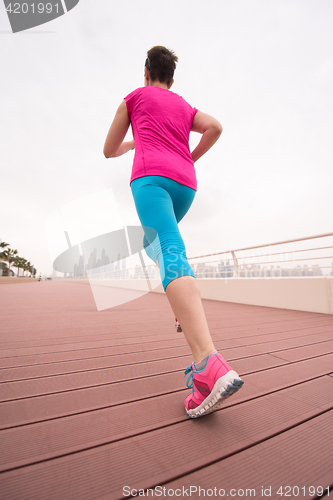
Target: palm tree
[(9, 255), (27, 266), (3, 266), (24, 266), (3, 244), (19, 263)]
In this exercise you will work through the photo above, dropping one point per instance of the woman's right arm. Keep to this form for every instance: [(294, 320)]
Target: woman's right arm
[(114, 145), (210, 128)]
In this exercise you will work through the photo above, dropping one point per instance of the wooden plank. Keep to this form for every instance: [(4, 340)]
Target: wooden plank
[(9, 391), (113, 341), (34, 409), (142, 341), (301, 457), (163, 455), (237, 350), (32, 443), (305, 352), (75, 300), (90, 353), (114, 338), (109, 359), (249, 364)]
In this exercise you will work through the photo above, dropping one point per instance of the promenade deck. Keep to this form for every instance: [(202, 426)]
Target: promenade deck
[(92, 402)]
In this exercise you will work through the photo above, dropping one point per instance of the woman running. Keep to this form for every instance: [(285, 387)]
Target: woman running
[(163, 184)]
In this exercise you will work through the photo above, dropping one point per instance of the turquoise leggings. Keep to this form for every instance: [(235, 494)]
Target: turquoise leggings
[(161, 203)]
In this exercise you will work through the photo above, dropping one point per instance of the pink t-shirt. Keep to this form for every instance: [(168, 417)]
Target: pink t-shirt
[(161, 123)]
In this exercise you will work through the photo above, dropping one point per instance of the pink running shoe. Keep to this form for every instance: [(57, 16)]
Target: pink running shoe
[(177, 325), (211, 386)]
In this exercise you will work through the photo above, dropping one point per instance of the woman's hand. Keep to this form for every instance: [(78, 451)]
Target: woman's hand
[(123, 148), (114, 145)]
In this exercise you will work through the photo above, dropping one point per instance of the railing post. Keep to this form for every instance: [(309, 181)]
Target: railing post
[(235, 263)]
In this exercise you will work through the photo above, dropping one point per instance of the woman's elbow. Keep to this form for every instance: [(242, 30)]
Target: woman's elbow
[(218, 129), (107, 153), (215, 130)]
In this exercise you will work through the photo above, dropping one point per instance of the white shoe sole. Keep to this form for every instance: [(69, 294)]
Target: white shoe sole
[(224, 387)]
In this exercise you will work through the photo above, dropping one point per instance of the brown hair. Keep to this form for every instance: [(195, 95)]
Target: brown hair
[(161, 63)]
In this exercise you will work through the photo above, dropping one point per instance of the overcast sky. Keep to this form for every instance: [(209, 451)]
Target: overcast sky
[(263, 68)]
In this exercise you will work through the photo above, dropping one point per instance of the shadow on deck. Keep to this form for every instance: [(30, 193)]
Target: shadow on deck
[(92, 402)]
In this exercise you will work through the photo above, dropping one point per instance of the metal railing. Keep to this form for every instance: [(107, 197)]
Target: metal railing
[(291, 258)]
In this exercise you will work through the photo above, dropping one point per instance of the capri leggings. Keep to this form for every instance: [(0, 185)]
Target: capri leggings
[(161, 203)]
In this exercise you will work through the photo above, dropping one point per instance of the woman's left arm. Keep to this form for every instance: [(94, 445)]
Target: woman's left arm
[(114, 145)]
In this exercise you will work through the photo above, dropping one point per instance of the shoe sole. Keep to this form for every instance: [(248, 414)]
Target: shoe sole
[(224, 387)]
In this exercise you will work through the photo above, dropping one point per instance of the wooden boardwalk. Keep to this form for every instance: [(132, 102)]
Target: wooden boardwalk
[(92, 402)]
